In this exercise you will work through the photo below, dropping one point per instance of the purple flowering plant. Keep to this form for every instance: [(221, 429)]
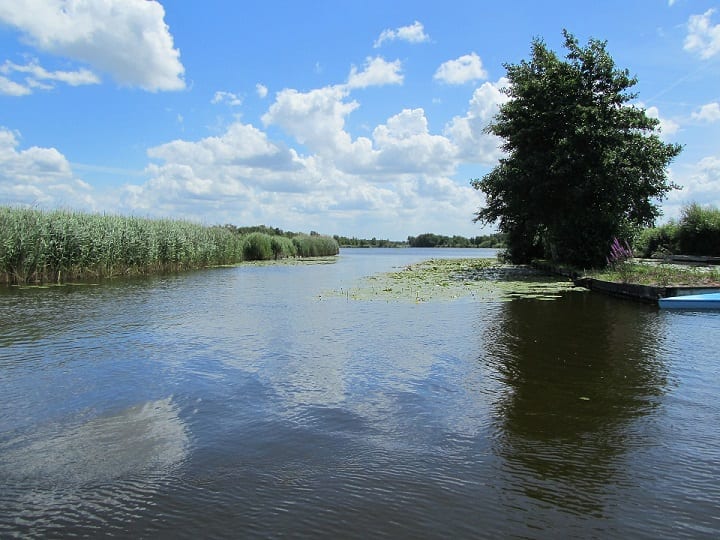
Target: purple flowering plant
[(619, 253)]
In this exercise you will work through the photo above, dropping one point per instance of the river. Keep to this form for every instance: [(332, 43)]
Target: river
[(247, 402)]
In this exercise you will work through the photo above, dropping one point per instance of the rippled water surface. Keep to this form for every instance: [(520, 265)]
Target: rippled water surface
[(246, 402)]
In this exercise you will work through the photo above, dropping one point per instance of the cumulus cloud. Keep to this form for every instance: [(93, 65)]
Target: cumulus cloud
[(399, 177), (405, 145), (226, 97), (126, 38), (709, 112), (316, 118), (414, 33), (667, 127), (703, 38), (362, 185), (461, 70), (468, 132), (243, 148), (377, 72), (37, 77), (38, 176), (11, 88), (699, 185), (261, 90)]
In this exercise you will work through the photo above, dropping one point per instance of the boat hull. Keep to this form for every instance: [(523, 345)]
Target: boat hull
[(692, 301)]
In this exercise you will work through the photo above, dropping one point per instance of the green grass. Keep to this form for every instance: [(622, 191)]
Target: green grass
[(59, 246), (662, 275)]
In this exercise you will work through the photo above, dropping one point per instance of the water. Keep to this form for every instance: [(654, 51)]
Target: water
[(247, 403)]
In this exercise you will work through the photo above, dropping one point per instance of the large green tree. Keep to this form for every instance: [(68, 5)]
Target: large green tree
[(582, 164)]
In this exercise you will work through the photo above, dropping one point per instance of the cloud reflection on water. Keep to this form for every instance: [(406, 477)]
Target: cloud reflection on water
[(115, 460)]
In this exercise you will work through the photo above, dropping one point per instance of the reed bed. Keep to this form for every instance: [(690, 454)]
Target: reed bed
[(58, 246)]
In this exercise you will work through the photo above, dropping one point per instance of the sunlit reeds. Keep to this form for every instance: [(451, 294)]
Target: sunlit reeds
[(55, 246)]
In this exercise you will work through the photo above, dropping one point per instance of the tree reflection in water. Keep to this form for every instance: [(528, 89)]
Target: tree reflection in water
[(576, 377)]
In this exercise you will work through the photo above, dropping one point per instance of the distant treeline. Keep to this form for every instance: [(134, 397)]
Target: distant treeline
[(56, 246), (345, 241), (427, 240), (438, 240)]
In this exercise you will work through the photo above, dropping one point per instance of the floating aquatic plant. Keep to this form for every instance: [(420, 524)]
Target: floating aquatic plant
[(451, 279)]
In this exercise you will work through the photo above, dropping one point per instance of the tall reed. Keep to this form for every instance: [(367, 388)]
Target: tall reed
[(53, 246)]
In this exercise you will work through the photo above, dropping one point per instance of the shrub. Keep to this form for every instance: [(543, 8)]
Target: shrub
[(282, 247), (258, 247), (699, 231), (657, 241)]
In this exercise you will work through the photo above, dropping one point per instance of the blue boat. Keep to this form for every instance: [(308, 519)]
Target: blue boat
[(692, 301)]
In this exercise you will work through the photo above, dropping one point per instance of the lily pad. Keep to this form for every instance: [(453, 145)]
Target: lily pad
[(484, 280)]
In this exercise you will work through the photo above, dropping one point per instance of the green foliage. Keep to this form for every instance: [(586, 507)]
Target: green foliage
[(699, 231), (582, 166), (456, 241), (657, 241), (282, 247), (346, 241), (37, 246), (258, 247), (315, 246), (427, 240)]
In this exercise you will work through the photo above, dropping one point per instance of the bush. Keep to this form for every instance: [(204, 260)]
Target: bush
[(258, 247), (699, 231), (282, 247), (315, 245), (657, 242)]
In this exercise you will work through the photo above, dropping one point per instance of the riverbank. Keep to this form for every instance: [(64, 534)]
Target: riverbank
[(643, 280), (59, 246)]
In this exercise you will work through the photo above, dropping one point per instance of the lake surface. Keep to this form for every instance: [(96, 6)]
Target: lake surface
[(248, 403)]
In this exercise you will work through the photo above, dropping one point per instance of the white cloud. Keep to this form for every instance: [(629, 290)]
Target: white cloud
[(414, 33), (709, 112), (261, 90), (243, 147), (467, 132), (404, 145), (361, 185), (667, 127), (11, 88), (699, 183), (315, 118), (226, 97), (398, 180), (126, 38), (38, 176), (461, 70), (377, 72), (702, 37), (36, 76), (239, 177)]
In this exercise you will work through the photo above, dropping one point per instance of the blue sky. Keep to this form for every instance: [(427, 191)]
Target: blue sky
[(360, 118)]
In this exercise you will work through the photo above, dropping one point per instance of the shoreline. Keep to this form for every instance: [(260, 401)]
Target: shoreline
[(642, 292)]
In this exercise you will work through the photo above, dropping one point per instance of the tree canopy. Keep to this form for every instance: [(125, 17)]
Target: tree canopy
[(582, 165)]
